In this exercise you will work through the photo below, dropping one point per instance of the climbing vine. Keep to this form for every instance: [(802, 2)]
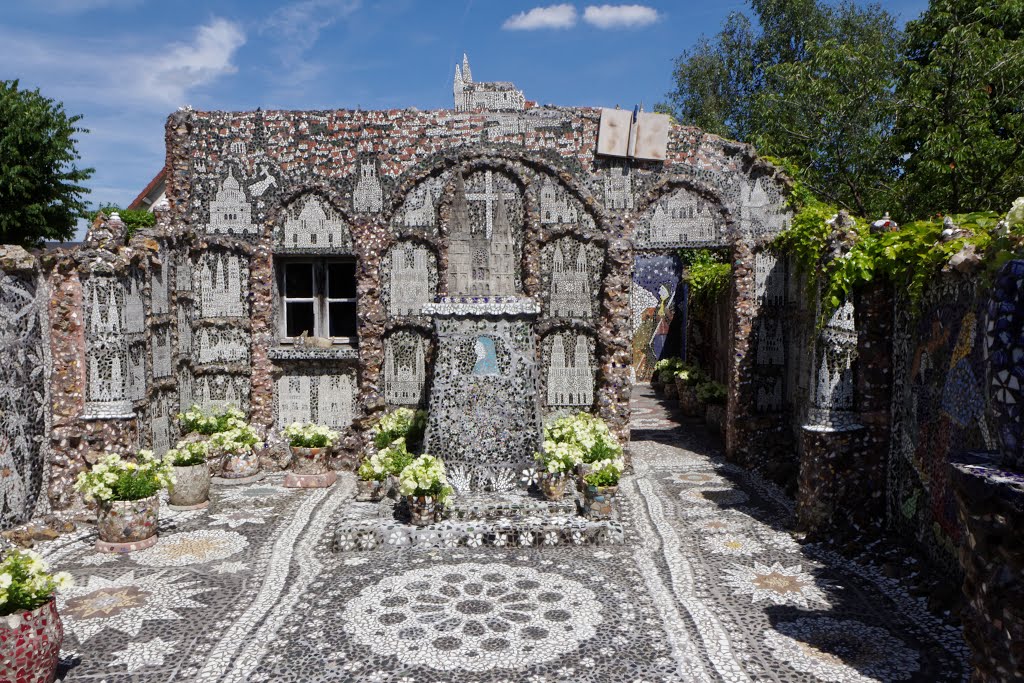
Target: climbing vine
[(843, 256), (706, 272)]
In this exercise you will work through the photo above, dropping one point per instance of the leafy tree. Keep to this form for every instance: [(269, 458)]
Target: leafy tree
[(40, 191), (813, 84), (832, 110), (962, 126)]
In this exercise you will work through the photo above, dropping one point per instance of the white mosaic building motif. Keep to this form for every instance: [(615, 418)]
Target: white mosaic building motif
[(222, 345), (230, 212), (159, 423), (555, 204), (183, 273), (769, 280), (833, 382), (570, 295), (481, 257), (184, 326), (769, 396), (495, 96), (404, 369), (159, 301), (771, 349), (420, 207), (368, 196), (570, 372), (223, 285), (214, 391), (409, 278), (315, 226), (617, 184), (682, 219), (161, 345), (109, 374), (326, 399), (761, 211)]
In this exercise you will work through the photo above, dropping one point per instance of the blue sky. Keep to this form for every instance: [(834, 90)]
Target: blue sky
[(126, 64)]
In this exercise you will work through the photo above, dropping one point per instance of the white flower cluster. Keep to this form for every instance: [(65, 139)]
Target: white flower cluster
[(240, 438), (309, 435), (113, 478), (26, 582), (587, 431), (1015, 216), (559, 456), (425, 476)]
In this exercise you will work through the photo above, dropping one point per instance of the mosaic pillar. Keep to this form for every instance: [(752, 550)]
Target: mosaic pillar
[(990, 504), (484, 419)]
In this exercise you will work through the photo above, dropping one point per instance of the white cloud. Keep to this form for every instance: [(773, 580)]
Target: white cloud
[(620, 16), (295, 28), (184, 66), (554, 16)]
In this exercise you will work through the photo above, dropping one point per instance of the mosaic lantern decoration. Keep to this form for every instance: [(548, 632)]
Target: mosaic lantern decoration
[(1005, 347)]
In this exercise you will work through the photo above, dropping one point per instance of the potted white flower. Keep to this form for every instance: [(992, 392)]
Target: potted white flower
[(31, 631), (590, 434), (379, 473), (191, 488), (424, 484), (236, 449), (557, 460), (400, 423), (599, 497), (310, 444), (232, 457), (127, 497)]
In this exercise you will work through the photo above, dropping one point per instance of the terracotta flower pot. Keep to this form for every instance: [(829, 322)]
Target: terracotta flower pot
[(553, 485), (126, 525), (30, 645), (309, 460), (191, 489), (371, 491), (599, 501), (422, 510)]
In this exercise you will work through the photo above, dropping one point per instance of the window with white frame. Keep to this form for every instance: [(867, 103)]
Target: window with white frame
[(318, 299)]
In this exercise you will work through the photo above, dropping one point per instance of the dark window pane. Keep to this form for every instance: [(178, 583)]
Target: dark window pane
[(299, 318), (298, 279), (341, 280), (343, 318)]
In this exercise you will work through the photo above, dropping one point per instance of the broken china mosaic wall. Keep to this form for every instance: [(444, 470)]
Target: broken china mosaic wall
[(23, 394), (422, 204), (940, 408)]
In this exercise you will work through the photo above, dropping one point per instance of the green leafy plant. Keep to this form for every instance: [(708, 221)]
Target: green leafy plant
[(691, 375), (666, 369), (309, 435), (425, 476), (26, 582), (239, 439), (218, 419), (707, 273), (588, 432), (555, 457), (399, 423), (711, 393), (133, 219), (390, 460), (188, 453), (114, 478), (605, 473)]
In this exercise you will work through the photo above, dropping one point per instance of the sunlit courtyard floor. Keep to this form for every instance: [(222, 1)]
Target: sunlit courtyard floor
[(708, 586)]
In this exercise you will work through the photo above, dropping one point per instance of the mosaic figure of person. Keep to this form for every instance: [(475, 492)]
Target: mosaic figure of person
[(486, 357)]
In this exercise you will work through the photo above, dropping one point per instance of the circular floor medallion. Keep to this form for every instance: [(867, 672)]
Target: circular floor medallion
[(473, 617)]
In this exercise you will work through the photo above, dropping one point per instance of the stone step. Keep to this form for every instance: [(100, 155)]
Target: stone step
[(547, 531), (512, 505)]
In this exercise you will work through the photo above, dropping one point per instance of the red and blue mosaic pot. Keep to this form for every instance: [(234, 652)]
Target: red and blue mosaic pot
[(553, 485), (599, 501), (30, 645), (1005, 347), (128, 521)]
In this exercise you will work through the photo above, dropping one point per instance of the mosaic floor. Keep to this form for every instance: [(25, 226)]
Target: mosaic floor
[(707, 587)]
